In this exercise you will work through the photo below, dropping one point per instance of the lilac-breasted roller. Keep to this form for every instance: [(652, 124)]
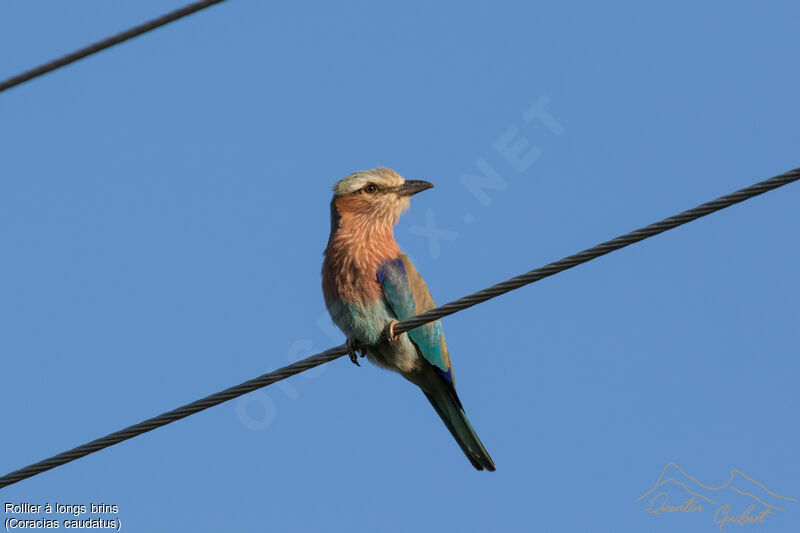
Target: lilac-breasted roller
[(369, 283)]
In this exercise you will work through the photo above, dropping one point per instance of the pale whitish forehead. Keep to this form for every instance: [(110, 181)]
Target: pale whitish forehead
[(358, 180)]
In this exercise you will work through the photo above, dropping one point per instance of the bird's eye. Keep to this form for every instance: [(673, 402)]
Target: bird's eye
[(371, 188)]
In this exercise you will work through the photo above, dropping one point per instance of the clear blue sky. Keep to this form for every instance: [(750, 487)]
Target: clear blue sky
[(164, 207)]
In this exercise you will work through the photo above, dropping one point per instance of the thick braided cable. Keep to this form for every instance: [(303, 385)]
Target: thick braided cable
[(106, 43), (599, 250), (424, 318), (172, 416)]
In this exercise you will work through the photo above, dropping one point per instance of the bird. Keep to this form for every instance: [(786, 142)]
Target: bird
[(369, 284)]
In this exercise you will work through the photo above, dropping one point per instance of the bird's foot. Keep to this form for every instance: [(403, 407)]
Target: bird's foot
[(353, 350), (389, 332)]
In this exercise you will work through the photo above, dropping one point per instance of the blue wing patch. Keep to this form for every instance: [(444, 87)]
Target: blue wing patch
[(448, 376), (393, 277), (428, 338)]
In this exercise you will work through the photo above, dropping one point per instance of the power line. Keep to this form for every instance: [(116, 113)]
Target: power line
[(106, 43), (424, 318), (599, 250)]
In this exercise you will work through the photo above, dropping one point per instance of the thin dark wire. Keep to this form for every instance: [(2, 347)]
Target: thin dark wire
[(430, 316), (106, 43), (599, 250)]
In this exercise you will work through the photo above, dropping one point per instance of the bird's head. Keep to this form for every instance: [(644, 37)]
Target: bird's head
[(374, 196)]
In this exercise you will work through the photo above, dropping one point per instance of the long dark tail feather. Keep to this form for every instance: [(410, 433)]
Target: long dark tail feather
[(452, 414)]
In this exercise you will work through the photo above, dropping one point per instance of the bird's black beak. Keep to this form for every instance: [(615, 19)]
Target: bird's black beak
[(412, 187)]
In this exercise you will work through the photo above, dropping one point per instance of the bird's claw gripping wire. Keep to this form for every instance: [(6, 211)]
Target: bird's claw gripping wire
[(354, 349), (389, 332)]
